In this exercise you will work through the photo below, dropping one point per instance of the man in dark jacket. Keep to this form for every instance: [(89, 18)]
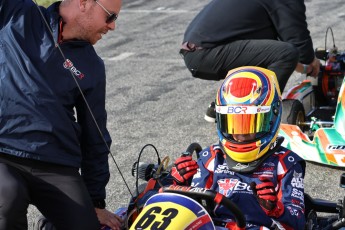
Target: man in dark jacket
[(52, 113), (227, 34)]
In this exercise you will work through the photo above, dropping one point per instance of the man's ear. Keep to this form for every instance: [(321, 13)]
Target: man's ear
[(82, 5)]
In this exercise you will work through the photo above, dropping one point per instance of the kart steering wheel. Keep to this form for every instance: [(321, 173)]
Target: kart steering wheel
[(208, 199)]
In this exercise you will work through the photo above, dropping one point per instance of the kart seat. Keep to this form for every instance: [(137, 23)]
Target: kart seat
[(318, 205)]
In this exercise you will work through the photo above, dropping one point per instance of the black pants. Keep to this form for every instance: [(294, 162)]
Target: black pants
[(57, 191), (214, 64)]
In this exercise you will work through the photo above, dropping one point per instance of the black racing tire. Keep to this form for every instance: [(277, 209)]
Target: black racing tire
[(293, 113)]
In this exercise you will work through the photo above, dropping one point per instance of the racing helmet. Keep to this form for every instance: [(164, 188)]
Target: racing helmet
[(248, 102)]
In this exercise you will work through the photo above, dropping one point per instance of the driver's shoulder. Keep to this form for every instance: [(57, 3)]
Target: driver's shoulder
[(210, 153), (289, 159)]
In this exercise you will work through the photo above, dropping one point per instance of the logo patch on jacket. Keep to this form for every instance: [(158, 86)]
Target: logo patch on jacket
[(226, 185), (68, 64)]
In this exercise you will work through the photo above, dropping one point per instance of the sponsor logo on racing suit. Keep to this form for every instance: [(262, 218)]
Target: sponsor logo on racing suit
[(223, 169), (297, 194), (226, 186), (297, 180)]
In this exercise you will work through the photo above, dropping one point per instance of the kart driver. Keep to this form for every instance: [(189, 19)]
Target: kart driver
[(248, 165)]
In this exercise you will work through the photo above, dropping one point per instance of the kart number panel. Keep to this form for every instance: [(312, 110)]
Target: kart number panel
[(172, 211)]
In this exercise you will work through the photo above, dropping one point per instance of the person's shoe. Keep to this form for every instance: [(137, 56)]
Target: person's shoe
[(42, 223), (210, 115)]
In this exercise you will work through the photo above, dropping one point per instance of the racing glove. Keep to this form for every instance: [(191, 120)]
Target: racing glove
[(267, 197), (184, 169)]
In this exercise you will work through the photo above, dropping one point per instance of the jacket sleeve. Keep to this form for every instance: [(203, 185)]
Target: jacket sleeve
[(8, 9), (289, 19), (95, 146), (291, 194)]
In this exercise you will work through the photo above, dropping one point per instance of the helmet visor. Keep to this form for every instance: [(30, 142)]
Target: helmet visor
[(243, 119)]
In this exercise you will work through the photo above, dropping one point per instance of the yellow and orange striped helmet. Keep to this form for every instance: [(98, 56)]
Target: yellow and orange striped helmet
[(248, 102)]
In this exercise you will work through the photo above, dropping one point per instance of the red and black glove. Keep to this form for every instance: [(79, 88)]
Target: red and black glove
[(184, 169), (267, 197)]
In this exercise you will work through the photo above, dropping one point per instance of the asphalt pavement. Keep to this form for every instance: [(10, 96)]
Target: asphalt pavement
[(153, 99)]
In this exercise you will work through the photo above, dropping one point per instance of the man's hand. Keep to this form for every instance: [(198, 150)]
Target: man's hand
[(184, 169), (312, 69), (267, 197), (109, 219), (315, 68)]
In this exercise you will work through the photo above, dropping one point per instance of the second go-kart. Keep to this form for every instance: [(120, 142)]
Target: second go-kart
[(313, 119)]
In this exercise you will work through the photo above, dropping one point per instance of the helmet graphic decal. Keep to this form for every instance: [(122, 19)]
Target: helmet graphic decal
[(241, 89), (245, 87)]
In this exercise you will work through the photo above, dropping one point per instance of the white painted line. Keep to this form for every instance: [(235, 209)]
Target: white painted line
[(125, 55), (158, 10), (154, 60), (120, 57)]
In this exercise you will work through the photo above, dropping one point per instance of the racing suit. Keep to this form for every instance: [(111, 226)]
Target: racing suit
[(283, 167)]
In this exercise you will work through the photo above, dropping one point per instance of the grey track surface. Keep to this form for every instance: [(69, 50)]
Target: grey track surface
[(153, 99)]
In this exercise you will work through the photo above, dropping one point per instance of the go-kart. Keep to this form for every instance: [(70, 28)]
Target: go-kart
[(181, 207), (313, 118)]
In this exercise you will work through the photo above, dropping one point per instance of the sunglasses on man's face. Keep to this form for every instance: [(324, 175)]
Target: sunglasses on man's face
[(111, 16)]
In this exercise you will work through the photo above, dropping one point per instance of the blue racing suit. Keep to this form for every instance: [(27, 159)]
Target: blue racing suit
[(284, 168)]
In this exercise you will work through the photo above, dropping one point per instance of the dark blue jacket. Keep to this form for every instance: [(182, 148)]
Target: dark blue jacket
[(43, 115)]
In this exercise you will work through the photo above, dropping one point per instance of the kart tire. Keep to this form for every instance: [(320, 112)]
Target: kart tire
[(293, 113)]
